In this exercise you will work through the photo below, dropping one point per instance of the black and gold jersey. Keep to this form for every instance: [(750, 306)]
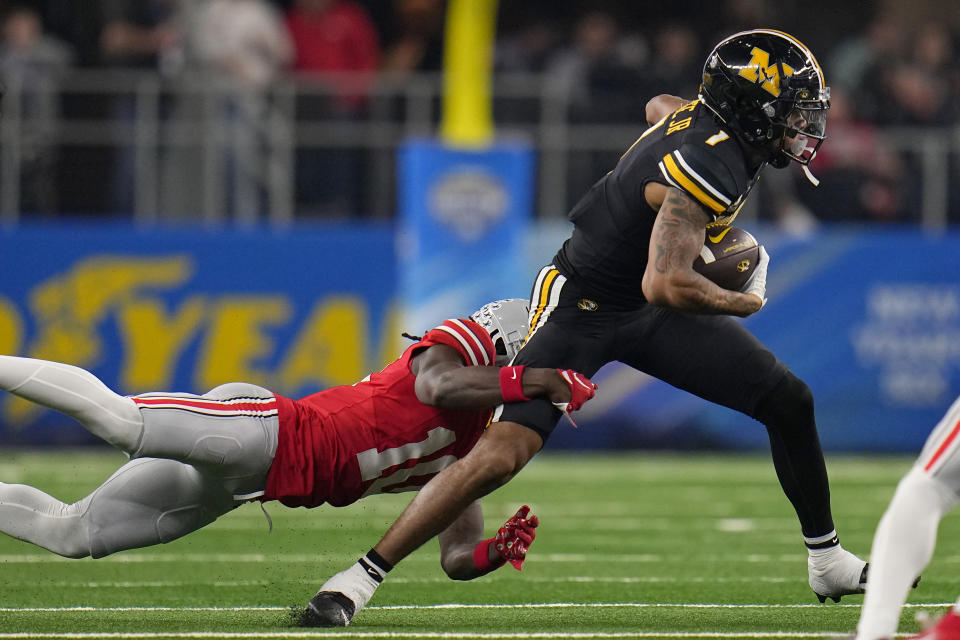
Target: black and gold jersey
[(690, 150)]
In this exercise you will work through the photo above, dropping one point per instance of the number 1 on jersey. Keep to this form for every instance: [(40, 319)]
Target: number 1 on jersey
[(719, 136), (373, 463)]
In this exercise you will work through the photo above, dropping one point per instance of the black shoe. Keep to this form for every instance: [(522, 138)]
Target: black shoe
[(328, 609)]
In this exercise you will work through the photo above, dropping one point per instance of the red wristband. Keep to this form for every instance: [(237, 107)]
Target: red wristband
[(511, 384), (481, 556)]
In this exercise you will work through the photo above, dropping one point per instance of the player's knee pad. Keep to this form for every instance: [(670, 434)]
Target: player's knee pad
[(237, 390), (788, 404)]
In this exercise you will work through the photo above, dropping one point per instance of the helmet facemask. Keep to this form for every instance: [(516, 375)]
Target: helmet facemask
[(805, 128)]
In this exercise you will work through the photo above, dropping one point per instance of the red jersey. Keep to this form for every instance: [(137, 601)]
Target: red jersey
[(375, 436), (341, 38)]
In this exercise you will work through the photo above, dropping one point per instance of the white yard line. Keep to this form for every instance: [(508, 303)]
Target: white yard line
[(534, 605), (232, 584), (299, 558), (423, 634)]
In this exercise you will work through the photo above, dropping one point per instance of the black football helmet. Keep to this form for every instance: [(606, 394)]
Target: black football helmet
[(769, 89)]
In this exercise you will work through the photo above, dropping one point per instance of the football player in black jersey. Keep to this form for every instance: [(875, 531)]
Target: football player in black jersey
[(622, 287)]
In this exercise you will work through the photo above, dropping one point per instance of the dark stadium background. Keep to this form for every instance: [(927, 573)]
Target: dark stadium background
[(170, 226)]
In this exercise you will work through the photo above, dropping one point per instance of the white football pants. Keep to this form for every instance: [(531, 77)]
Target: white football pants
[(907, 533), (194, 459)]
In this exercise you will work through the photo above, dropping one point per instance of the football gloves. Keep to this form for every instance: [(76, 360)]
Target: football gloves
[(516, 535), (581, 390), (757, 283)]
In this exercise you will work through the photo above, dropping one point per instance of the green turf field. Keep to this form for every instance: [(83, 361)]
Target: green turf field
[(630, 546)]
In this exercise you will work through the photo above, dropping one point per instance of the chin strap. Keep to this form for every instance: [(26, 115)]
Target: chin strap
[(812, 178), (806, 169)]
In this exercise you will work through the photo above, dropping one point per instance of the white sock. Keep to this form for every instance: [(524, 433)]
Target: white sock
[(77, 393), (824, 557), (833, 571), (902, 547)]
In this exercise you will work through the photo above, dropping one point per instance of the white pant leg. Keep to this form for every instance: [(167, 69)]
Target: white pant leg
[(230, 432), (150, 501), (31, 515), (77, 393), (902, 547), (145, 502), (907, 533)]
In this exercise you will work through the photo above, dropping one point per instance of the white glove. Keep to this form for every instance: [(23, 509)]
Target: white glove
[(757, 283)]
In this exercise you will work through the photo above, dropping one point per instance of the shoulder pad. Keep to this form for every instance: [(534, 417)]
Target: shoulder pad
[(706, 174), (467, 337)]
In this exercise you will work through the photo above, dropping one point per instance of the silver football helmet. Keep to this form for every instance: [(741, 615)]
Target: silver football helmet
[(507, 322)]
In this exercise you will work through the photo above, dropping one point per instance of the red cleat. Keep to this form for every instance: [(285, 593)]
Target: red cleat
[(947, 628)]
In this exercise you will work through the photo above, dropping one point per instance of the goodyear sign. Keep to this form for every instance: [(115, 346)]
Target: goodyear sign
[(186, 310)]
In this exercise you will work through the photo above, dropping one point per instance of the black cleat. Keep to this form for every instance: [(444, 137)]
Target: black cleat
[(327, 609)]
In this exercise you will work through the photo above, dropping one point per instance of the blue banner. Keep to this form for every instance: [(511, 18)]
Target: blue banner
[(188, 309), (869, 319), (464, 218)]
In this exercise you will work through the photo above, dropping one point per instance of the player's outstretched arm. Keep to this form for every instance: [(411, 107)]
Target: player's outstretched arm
[(669, 279), (465, 555), (444, 381)]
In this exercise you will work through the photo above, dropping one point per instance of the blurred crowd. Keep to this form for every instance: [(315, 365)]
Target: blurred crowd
[(892, 66)]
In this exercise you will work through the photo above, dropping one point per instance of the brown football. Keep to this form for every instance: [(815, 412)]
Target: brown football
[(728, 257)]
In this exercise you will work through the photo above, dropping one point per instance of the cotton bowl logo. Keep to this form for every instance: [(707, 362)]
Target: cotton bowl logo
[(469, 201)]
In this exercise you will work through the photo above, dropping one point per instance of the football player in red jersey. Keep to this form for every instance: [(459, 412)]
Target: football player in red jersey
[(196, 457), (907, 534)]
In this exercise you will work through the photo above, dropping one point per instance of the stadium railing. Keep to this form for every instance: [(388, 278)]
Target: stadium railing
[(196, 147)]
